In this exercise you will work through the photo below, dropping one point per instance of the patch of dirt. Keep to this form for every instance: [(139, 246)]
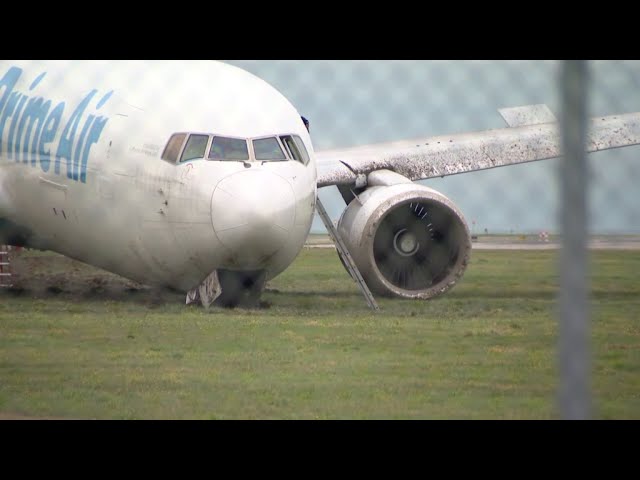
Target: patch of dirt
[(48, 275)]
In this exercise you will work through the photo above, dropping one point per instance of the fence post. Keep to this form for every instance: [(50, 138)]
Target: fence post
[(574, 354)]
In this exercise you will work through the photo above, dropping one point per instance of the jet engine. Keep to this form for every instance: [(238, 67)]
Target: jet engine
[(407, 240)]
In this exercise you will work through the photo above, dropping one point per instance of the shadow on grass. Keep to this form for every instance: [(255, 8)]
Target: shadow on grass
[(313, 294), (150, 297)]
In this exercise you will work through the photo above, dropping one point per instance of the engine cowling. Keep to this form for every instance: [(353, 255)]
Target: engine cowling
[(407, 240)]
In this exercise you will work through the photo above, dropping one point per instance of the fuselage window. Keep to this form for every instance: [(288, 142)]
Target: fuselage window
[(268, 149), (195, 148), (296, 148), (224, 148), (172, 150)]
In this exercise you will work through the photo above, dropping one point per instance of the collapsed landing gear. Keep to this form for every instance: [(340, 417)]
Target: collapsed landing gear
[(230, 289), (240, 289)]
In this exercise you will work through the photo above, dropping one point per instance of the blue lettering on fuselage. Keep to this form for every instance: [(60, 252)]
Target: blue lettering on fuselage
[(37, 136)]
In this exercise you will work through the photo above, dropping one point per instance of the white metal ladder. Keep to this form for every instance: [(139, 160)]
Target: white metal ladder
[(6, 274), (346, 256)]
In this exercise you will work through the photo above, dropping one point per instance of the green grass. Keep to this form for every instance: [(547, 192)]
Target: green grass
[(486, 350)]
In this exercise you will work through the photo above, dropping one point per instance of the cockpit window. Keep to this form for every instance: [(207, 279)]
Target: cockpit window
[(268, 149), (195, 148), (296, 148), (301, 149), (172, 150), (224, 148), (184, 147)]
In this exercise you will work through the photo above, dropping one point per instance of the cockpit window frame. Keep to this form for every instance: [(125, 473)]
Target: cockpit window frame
[(284, 147), (305, 158), (246, 140), (186, 142), (179, 155)]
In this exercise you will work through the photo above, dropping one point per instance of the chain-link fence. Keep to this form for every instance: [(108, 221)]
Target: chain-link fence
[(361, 102), (350, 103)]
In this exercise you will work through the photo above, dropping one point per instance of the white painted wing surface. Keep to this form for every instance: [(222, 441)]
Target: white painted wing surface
[(441, 156)]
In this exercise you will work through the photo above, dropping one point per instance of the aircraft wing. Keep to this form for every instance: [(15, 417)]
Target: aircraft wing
[(532, 135)]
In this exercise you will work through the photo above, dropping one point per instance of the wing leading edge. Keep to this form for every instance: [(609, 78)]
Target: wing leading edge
[(420, 159)]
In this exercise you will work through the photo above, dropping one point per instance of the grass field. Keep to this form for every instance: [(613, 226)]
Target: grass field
[(80, 343)]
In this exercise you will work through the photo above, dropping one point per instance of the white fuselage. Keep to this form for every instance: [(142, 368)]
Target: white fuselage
[(81, 168)]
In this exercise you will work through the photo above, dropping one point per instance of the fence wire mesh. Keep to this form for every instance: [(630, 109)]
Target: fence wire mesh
[(350, 103), (360, 102)]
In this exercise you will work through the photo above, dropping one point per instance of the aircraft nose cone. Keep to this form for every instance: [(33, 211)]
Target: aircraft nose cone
[(253, 212)]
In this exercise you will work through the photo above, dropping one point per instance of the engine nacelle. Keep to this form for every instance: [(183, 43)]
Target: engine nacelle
[(407, 240)]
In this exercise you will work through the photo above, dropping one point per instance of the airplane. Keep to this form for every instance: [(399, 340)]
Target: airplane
[(201, 177)]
